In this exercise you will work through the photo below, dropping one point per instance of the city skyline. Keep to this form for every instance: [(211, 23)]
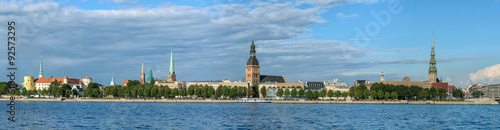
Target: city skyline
[(302, 40)]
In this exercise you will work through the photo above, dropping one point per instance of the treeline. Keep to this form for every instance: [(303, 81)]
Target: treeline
[(295, 93), (149, 90), (55, 89), (381, 91)]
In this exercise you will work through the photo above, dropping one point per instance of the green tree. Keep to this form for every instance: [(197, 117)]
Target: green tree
[(338, 94), (422, 94), (373, 94), (477, 94), (322, 93), (366, 94), (218, 91), (211, 91), (133, 83), (381, 94), (263, 91), (301, 92), (287, 93), (432, 92), (442, 93), (345, 94), (394, 95), (68, 93), (133, 91), (197, 92), (175, 92), (160, 92), (294, 93), (352, 94), (387, 95), (225, 91), (279, 93), (309, 94), (140, 91), (315, 94), (331, 94), (167, 91), (127, 92), (190, 90), (182, 92), (154, 92), (234, 92)]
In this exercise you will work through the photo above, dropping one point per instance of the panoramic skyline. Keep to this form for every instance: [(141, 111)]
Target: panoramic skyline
[(302, 40)]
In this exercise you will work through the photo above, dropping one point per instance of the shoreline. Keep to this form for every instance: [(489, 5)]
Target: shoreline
[(234, 101)]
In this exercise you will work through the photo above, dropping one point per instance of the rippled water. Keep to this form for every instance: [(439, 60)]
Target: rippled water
[(92, 115)]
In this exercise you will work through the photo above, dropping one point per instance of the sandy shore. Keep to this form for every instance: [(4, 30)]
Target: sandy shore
[(233, 101)]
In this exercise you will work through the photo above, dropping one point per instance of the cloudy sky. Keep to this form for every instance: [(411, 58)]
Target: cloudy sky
[(309, 40)]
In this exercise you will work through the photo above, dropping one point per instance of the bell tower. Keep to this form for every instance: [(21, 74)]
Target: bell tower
[(432, 63), (252, 72)]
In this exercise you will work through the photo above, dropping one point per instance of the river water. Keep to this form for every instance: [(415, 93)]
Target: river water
[(121, 115)]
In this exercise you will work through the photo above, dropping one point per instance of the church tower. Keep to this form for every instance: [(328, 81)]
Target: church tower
[(142, 74), (171, 72), (252, 73), (432, 68), (41, 69), (112, 81)]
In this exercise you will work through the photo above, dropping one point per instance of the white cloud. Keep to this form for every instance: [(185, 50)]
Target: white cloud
[(487, 75), (343, 16)]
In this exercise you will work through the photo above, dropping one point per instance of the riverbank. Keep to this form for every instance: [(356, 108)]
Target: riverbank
[(234, 101)]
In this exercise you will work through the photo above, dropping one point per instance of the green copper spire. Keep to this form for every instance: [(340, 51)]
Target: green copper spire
[(112, 78), (171, 71), (150, 76), (41, 68)]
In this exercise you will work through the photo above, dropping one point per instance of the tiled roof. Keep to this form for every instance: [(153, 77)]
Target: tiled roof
[(125, 83), (270, 78), (48, 80)]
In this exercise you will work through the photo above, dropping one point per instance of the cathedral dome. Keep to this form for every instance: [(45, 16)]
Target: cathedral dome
[(252, 61)]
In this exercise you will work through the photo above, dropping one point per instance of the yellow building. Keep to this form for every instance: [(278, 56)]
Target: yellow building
[(29, 82)]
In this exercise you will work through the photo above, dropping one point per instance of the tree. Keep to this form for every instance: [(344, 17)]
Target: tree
[(182, 92), (68, 93), (352, 94), (174, 92), (322, 93), (387, 95), (127, 92), (373, 93), (133, 83), (133, 91), (457, 93), (442, 93), (218, 91), (197, 91), (225, 91), (287, 93), (301, 92), (251, 91), (154, 92), (366, 94), (263, 91), (432, 92), (140, 91), (394, 95), (242, 91), (422, 94), (338, 94), (234, 92), (359, 94), (167, 91), (279, 93), (294, 92), (345, 94), (477, 94), (190, 90), (315, 94), (160, 92), (309, 94), (381, 94), (331, 94)]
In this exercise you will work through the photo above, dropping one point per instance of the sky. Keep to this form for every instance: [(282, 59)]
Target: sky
[(308, 40)]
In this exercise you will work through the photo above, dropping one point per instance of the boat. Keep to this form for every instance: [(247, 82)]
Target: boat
[(252, 100)]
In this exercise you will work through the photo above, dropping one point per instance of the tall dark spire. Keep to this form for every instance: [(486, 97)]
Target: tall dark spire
[(252, 60)]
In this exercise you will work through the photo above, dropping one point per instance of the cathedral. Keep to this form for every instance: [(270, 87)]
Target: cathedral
[(433, 80)]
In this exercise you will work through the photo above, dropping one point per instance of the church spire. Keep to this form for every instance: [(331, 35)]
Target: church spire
[(142, 74), (171, 73), (112, 81), (171, 70), (432, 63), (41, 68)]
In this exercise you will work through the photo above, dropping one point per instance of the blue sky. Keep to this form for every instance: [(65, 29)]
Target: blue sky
[(311, 40)]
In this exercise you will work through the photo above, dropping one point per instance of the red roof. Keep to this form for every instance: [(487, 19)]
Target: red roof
[(125, 83), (48, 80), (406, 77)]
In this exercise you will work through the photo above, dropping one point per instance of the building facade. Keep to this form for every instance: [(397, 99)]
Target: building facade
[(217, 83), (29, 82), (336, 85)]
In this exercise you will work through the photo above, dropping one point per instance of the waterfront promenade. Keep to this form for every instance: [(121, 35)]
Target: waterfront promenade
[(272, 101)]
